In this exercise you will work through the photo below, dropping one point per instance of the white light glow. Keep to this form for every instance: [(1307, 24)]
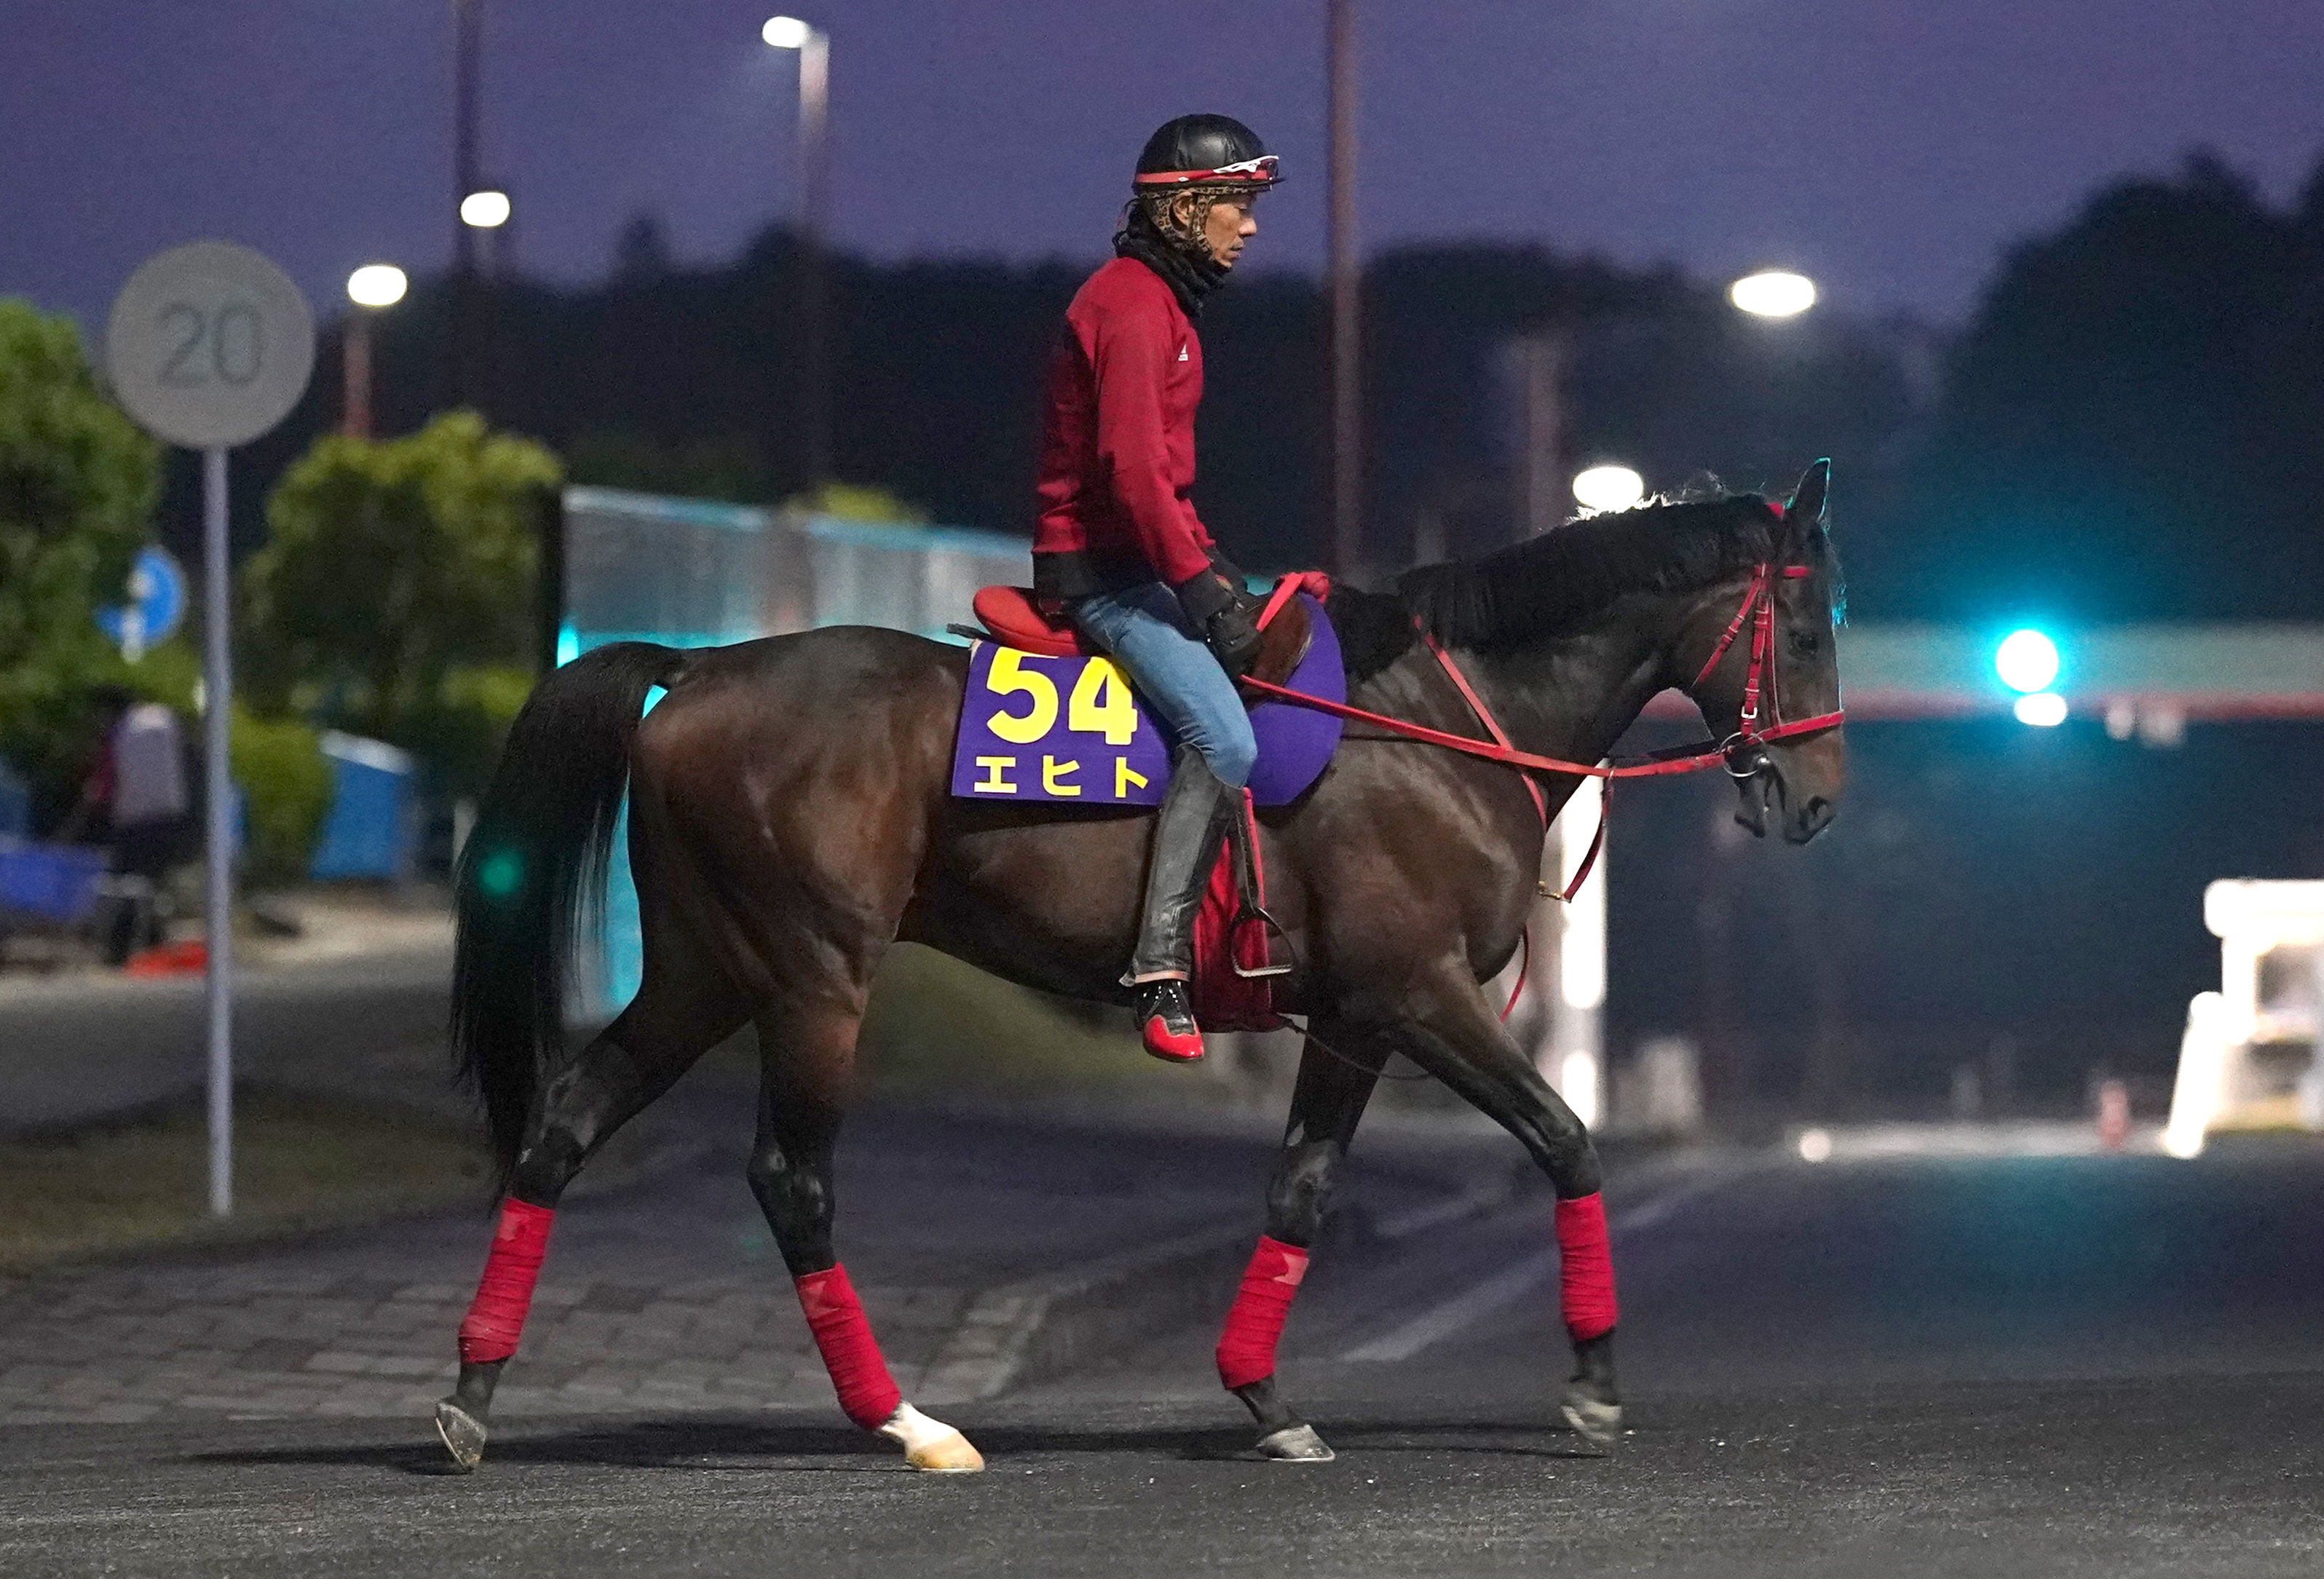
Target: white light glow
[(1609, 488), (1582, 921), (1815, 1146), (2026, 661), (376, 285), (2202, 1055), (2042, 709), (1577, 1082), (485, 210), (1772, 294), (786, 32)]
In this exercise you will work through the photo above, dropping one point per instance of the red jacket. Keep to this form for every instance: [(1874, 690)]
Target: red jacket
[(1117, 446)]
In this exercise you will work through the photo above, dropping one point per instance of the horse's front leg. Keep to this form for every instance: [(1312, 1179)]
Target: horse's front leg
[(1449, 1031), (1325, 1105)]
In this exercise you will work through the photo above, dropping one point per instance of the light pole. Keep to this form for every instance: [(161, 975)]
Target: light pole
[(468, 47), (467, 65), (1563, 1019), (814, 47), (488, 209), (1345, 279), (370, 287)]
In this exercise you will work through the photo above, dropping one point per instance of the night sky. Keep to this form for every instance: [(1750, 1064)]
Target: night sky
[(1889, 149)]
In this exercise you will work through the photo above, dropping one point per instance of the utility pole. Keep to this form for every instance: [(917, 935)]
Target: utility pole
[(814, 303), (815, 285), (467, 49), (1544, 355), (467, 40), (1344, 283)]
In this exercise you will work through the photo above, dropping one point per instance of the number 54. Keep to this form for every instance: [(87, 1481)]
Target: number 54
[(1099, 704)]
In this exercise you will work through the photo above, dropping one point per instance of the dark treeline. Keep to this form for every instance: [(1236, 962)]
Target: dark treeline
[(2128, 427), (681, 380)]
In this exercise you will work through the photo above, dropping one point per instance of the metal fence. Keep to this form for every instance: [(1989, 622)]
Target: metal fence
[(696, 573)]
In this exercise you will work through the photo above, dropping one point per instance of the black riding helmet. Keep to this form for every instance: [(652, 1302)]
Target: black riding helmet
[(1203, 150)]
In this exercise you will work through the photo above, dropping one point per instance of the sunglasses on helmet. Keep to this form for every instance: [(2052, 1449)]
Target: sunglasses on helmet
[(1259, 172)]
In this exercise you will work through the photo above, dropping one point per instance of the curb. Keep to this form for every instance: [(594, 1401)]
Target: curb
[(1043, 1327)]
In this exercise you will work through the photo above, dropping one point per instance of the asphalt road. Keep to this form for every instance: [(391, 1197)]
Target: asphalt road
[(1997, 1365)]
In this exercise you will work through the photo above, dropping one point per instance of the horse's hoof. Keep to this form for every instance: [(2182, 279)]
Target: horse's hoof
[(931, 1444), (463, 1435), (1593, 1420), (1296, 1444)]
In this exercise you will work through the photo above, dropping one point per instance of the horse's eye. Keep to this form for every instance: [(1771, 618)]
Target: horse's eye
[(1804, 643)]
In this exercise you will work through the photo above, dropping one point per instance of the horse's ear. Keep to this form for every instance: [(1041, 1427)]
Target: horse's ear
[(1805, 512)]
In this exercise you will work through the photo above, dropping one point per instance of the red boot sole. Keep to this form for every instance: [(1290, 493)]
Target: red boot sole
[(1169, 1049)]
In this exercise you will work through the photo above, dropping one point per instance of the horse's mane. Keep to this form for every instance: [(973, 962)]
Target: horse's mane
[(1559, 580)]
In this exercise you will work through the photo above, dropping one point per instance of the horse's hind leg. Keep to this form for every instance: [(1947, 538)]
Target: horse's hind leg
[(1326, 1103), (809, 1053), (683, 1009), (1449, 1031)]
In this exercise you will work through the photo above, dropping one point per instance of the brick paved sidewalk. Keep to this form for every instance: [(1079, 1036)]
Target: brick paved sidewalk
[(253, 1342), (667, 1296)]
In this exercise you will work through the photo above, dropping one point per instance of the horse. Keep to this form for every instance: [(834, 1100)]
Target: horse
[(789, 818)]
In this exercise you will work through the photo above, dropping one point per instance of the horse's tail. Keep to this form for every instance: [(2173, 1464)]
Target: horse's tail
[(532, 874)]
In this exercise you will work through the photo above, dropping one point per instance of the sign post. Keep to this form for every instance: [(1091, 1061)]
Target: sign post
[(208, 345)]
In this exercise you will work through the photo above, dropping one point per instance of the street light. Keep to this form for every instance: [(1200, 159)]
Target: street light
[(370, 287), (1609, 488), (377, 285), (2042, 709), (2026, 662), (1772, 294), (485, 210), (814, 47)]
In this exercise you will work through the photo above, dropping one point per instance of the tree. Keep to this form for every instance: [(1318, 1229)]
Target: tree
[(77, 486), (396, 594), (2129, 426)]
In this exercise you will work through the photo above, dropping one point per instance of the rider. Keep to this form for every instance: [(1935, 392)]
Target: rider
[(1118, 545)]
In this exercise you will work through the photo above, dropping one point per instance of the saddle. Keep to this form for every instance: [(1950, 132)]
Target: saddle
[(1011, 616), (1045, 718)]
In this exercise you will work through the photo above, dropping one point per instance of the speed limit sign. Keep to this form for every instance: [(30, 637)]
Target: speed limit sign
[(209, 346)]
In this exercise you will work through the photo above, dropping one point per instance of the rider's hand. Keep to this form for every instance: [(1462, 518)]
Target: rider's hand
[(1214, 609)]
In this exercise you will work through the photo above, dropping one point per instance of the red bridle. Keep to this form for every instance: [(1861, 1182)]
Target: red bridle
[(1743, 747)]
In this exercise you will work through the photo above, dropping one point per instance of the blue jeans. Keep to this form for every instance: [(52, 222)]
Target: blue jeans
[(1142, 629)]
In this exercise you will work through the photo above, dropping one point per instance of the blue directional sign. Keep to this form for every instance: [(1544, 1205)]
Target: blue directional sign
[(156, 607)]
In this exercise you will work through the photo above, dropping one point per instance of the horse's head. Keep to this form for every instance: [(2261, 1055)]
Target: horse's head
[(1798, 673)]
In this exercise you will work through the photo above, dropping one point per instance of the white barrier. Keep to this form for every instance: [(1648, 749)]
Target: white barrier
[(2248, 1058)]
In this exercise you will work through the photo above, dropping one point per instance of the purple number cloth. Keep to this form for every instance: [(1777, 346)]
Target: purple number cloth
[(1035, 728)]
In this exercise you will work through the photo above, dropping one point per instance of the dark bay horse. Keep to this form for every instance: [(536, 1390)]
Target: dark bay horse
[(791, 819)]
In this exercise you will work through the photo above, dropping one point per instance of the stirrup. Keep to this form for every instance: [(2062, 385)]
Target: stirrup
[(1165, 1022)]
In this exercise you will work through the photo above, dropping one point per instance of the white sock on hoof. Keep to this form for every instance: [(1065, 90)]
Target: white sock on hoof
[(930, 1445)]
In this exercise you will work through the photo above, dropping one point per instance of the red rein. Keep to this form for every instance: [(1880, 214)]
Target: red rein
[(1758, 611)]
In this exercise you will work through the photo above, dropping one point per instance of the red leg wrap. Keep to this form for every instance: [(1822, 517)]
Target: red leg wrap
[(1585, 1270), (496, 1318), (866, 1391), (1247, 1347)]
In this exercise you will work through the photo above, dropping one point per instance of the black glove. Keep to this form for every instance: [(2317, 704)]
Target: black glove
[(1214, 609)]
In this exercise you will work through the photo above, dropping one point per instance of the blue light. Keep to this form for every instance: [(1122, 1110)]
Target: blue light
[(2026, 662)]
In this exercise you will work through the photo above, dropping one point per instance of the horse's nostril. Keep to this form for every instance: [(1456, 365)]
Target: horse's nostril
[(1818, 811)]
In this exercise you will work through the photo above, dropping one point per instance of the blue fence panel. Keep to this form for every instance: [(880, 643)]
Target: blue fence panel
[(693, 573)]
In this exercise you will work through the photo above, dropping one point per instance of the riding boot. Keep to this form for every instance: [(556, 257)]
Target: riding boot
[(1193, 816)]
